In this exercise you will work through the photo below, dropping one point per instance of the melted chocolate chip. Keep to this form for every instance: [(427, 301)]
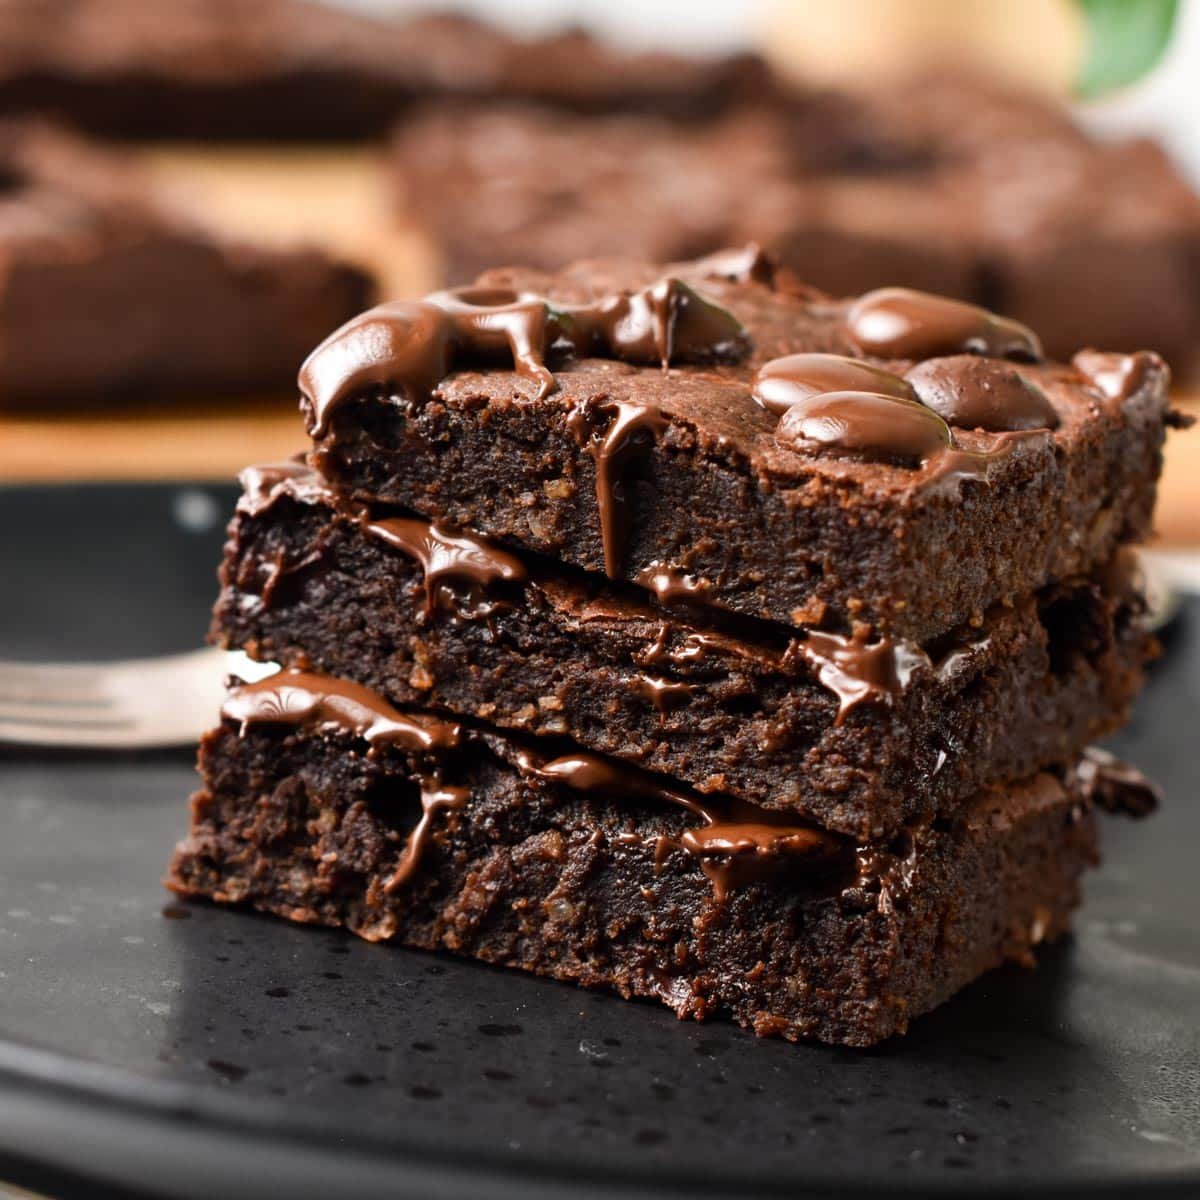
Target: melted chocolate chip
[(1116, 786), (856, 670), (435, 800), (737, 841), (784, 382), (1118, 376), (670, 584), (867, 426), (901, 323), (662, 693), (413, 345), (292, 697), (747, 264), (981, 393), (448, 558)]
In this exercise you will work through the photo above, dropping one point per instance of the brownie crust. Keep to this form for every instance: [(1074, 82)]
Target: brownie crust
[(767, 531), (529, 874), (724, 706)]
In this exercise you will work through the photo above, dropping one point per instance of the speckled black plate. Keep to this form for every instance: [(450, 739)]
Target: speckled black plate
[(205, 1052)]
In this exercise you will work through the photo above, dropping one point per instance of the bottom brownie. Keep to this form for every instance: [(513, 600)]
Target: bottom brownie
[(323, 804)]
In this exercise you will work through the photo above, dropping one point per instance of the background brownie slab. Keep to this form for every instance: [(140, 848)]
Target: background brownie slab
[(738, 710), (767, 531), (109, 294), (947, 183), (273, 69), (531, 874)]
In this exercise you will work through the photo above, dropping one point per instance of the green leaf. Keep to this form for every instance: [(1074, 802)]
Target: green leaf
[(1125, 38)]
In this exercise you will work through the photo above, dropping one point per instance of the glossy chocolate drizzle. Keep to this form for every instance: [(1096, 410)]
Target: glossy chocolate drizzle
[(614, 432), (449, 558), (671, 585), (981, 393), (737, 841), (310, 701), (856, 670), (413, 345), (902, 323), (1117, 377)]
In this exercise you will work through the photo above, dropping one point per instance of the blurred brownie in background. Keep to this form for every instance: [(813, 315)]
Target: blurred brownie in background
[(110, 294), (289, 69), (947, 183)]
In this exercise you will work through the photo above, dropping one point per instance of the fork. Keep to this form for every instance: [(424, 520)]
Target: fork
[(133, 703)]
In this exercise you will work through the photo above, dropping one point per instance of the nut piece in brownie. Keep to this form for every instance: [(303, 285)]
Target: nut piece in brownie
[(273, 69), (946, 182), (323, 804), (857, 735), (107, 293), (899, 463)]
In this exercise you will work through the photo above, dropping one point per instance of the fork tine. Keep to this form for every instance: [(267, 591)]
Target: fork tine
[(46, 713), (111, 735), (54, 680)]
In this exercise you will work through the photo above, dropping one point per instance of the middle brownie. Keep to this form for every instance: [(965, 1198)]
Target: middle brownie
[(858, 735)]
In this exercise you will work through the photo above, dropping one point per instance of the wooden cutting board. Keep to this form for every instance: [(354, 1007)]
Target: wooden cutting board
[(339, 200)]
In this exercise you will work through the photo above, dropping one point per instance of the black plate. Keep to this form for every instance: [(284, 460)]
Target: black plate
[(229, 1054)]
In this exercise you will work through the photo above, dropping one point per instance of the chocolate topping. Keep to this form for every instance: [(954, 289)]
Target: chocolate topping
[(855, 670), (1118, 376), (901, 323), (1116, 786), (449, 557), (981, 393), (292, 697), (413, 345), (265, 483), (670, 584), (630, 426), (864, 425), (435, 800), (746, 264), (662, 693), (737, 841), (783, 382)]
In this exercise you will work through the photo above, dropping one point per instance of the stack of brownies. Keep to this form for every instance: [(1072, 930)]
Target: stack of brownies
[(682, 631)]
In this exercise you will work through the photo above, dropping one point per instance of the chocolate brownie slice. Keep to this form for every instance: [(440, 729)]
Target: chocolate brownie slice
[(858, 736), (279, 69), (655, 449), (323, 804), (109, 294)]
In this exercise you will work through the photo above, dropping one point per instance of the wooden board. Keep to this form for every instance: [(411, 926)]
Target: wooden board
[(338, 200)]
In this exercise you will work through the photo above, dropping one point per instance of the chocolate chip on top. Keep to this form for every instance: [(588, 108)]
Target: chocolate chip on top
[(981, 393), (783, 382), (865, 425), (901, 323)]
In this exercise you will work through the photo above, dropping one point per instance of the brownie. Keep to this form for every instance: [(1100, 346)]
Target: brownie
[(109, 294), (288, 69), (322, 804), (946, 182), (655, 449), (858, 737)]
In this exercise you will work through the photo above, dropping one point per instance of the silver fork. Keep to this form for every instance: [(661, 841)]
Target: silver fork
[(137, 702)]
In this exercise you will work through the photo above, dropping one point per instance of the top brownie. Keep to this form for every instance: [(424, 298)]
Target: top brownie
[(655, 423)]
